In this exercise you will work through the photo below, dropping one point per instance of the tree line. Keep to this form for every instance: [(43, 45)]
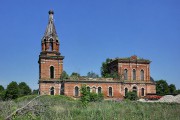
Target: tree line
[(15, 90)]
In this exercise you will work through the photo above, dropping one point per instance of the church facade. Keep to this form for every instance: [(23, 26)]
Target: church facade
[(134, 72)]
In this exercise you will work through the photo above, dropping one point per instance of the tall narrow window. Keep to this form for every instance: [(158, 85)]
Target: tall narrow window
[(134, 74), (94, 89), (99, 90), (110, 91), (126, 91), (52, 91), (125, 74), (142, 74), (142, 92), (50, 46), (76, 91), (51, 72)]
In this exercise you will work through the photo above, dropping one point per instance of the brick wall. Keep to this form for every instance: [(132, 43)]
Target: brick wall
[(44, 88), (45, 65)]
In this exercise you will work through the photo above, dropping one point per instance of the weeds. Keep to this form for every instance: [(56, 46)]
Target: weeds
[(65, 108)]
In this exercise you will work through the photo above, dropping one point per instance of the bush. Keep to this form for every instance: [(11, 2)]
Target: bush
[(87, 96), (131, 96)]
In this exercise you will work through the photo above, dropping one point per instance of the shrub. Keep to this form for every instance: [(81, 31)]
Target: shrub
[(87, 96), (131, 96)]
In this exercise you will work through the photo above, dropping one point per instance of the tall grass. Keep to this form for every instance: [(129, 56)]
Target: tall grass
[(64, 108)]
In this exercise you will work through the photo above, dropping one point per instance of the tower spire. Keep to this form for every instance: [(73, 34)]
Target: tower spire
[(50, 32), (50, 41)]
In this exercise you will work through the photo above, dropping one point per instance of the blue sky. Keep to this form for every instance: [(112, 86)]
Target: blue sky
[(90, 31)]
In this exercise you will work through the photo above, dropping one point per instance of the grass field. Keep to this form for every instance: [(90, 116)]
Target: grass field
[(64, 108)]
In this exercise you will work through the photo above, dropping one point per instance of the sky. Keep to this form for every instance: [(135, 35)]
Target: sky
[(90, 31)]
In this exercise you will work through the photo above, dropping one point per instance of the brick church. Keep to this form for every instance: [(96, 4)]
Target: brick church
[(135, 72)]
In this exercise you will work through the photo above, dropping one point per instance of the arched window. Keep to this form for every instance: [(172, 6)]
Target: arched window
[(110, 91), (88, 89), (126, 91), (142, 74), (125, 74), (94, 89), (50, 48), (135, 89), (52, 91), (51, 72), (134, 74), (142, 92), (99, 90), (76, 91)]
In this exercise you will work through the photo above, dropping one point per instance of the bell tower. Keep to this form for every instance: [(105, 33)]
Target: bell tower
[(50, 60)]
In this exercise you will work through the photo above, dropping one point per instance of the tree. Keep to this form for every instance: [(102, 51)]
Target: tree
[(1, 88), (162, 87), (12, 91), (75, 74), (104, 68), (64, 75), (105, 72), (85, 95), (35, 92), (24, 89), (92, 75), (2, 92), (177, 91), (172, 89)]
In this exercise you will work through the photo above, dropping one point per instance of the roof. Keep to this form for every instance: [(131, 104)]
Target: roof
[(50, 29), (132, 59)]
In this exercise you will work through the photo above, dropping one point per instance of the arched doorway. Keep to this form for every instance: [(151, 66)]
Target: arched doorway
[(126, 91), (134, 89), (142, 91), (52, 91)]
